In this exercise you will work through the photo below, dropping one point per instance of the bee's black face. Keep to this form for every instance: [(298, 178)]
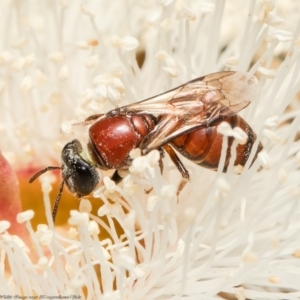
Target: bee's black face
[(80, 176)]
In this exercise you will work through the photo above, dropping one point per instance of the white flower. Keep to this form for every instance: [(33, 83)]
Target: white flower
[(223, 235)]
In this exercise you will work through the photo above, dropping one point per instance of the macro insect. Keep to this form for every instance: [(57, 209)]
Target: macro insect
[(184, 118)]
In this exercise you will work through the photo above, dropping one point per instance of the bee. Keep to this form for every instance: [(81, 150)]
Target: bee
[(183, 119)]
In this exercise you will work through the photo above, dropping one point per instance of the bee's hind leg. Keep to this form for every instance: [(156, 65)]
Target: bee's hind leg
[(180, 167)]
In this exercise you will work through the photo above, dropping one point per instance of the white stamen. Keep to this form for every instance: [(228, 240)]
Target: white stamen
[(207, 7), (5, 57), (4, 225), (104, 210), (56, 56), (125, 261), (168, 191), (264, 159), (271, 121), (85, 206), (117, 72), (153, 157), (186, 14), (180, 247), (238, 169), (115, 41), (190, 213), (139, 165), (231, 61), (274, 279), (25, 216), (282, 175), (164, 2), (151, 202), (298, 157), (113, 94), (280, 35), (272, 135), (161, 55), (274, 20), (109, 184), (26, 84), (240, 293), (268, 73), (102, 91), (66, 128), (40, 77), (170, 62), (167, 24), (118, 84), (153, 17), (44, 235), (111, 295), (130, 219), (87, 11), (173, 72), (72, 232), (43, 262), (223, 185), (77, 283), (64, 73), (93, 228), (138, 272), (29, 59), (19, 242), (129, 43), (2, 87), (249, 258), (128, 185), (225, 129), (240, 135), (6, 238), (18, 64), (78, 218), (46, 238), (87, 95), (83, 45), (92, 61)]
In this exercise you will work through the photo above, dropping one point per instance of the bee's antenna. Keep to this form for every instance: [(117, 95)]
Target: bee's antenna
[(39, 173), (61, 187), (89, 120)]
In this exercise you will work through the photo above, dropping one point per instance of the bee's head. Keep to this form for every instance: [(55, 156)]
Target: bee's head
[(79, 175)]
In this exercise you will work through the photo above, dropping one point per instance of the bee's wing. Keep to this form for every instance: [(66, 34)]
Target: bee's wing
[(197, 103), (234, 90), (168, 128)]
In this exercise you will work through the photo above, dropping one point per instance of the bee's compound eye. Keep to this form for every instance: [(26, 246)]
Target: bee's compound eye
[(84, 177)]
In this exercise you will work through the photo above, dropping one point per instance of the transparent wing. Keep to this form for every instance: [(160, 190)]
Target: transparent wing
[(234, 90), (196, 103)]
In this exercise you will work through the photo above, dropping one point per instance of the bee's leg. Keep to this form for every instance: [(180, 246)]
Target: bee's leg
[(181, 186), (160, 162), (180, 166), (148, 191), (177, 162), (116, 178)]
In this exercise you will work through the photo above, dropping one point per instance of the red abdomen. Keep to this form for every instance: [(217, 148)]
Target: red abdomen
[(203, 146), (112, 138)]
